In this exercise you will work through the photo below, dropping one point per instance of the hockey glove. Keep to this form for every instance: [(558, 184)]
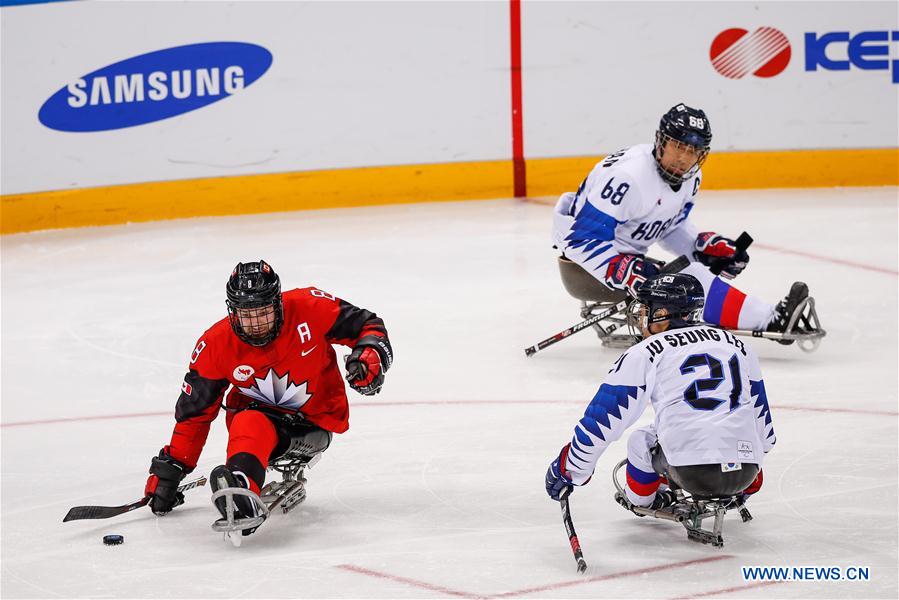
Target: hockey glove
[(162, 484), (365, 367), (628, 272), (557, 478), (716, 250)]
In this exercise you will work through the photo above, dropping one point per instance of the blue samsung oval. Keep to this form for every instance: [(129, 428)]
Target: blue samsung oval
[(155, 86)]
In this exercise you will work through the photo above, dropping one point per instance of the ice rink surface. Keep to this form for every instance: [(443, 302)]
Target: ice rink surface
[(437, 489)]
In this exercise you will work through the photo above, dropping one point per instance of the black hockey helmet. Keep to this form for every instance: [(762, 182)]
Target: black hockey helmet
[(680, 295), (255, 285), (688, 126)]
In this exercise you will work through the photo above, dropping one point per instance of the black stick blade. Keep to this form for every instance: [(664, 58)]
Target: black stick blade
[(77, 513), (744, 241)]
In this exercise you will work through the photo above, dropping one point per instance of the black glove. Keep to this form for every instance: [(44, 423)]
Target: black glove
[(715, 250), (162, 484), (366, 365)]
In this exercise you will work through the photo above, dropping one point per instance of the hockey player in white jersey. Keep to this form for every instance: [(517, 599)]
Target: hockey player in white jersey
[(712, 425), (644, 194)]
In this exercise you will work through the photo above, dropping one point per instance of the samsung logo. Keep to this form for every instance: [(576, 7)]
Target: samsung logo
[(155, 86), (158, 86)]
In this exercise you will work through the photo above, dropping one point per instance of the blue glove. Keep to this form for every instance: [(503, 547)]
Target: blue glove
[(556, 477)]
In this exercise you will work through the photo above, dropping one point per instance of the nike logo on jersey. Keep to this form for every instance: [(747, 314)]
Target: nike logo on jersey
[(305, 352)]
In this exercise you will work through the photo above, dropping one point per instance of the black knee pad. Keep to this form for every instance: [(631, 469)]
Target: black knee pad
[(303, 439)]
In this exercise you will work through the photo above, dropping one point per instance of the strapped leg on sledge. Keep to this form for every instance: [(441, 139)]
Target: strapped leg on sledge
[(714, 492), (300, 444), (796, 317), (242, 510), (796, 320)]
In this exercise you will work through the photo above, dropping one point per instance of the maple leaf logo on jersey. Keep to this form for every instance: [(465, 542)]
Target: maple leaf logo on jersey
[(278, 390)]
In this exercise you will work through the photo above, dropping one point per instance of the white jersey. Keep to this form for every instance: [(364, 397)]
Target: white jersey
[(623, 207), (706, 390)]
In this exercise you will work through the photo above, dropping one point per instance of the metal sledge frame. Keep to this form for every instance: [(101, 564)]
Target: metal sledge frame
[(688, 511), (286, 495), (605, 329), (290, 491), (596, 298), (807, 316)]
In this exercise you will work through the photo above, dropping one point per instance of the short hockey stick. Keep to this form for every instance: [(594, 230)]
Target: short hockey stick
[(678, 264), (569, 529), (104, 512)]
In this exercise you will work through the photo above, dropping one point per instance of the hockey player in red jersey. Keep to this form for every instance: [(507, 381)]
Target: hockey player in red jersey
[(272, 361)]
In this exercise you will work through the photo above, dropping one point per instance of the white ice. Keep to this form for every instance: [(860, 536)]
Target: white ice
[(437, 489)]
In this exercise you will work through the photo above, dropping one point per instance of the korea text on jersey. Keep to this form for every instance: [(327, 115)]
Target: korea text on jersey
[(805, 573)]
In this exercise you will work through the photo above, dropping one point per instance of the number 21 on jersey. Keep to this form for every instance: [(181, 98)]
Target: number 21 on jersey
[(692, 394)]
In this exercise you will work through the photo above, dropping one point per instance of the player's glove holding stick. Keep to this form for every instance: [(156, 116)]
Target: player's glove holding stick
[(720, 253), (557, 479), (162, 484), (559, 487)]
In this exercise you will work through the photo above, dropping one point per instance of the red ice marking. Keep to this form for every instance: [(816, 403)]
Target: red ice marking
[(852, 411), (543, 588), (776, 407), (821, 257), (584, 580), (730, 590), (757, 245), (412, 582), (92, 418)]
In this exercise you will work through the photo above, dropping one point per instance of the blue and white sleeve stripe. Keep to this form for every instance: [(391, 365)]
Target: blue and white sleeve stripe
[(613, 409), (762, 414), (590, 241)]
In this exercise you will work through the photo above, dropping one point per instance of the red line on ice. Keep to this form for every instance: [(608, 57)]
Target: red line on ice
[(412, 582), (89, 418), (729, 590), (584, 580), (811, 255), (821, 257), (852, 411), (776, 407), (542, 588)]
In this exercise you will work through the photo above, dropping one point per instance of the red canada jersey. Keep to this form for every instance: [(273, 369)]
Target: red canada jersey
[(296, 372)]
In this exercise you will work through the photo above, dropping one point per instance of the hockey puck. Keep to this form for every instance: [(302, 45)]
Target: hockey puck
[(113, 540)]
